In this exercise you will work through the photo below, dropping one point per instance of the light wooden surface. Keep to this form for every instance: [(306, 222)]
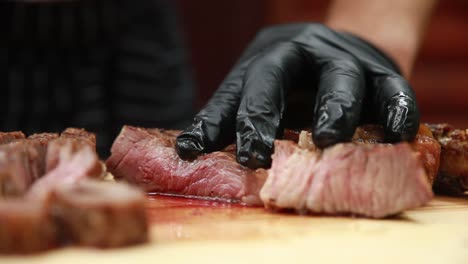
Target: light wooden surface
[(191, 231)]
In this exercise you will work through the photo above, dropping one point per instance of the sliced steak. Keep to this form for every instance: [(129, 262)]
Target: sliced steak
[(101, 214), (76, 138), (429, 149), (62, 149), (25, 227), (23, 161), (73, 166), (42, 140), (15, 173), (64, 204), (86, 213), (20, 165), (453, 173), (147, 158), (370, 180), (424, 143), (80, 134), (8, 137)]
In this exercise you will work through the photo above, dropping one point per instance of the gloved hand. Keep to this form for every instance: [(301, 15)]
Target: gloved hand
[(345, 76)]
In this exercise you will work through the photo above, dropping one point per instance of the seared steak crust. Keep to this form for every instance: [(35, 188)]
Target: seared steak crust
[(424, 143), (8, 137), (453, 173)]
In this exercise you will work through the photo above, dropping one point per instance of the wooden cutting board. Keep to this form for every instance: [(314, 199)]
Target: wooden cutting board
[(194, 231)]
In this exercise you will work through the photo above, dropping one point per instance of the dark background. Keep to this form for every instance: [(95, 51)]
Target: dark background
[(216, 33)]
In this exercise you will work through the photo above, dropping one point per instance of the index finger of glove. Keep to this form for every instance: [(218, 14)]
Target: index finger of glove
[(263, 102), (397, 110), (339, 101), (213, 128)]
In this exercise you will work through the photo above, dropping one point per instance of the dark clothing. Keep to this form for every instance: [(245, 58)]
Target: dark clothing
[(94, 64)]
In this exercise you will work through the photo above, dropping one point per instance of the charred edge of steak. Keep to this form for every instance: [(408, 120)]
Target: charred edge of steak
[(440, 130), (452, 178), (448, 185), (8, 137), (101, 214), (43, 138), (424, 143), (26, 228), (80, 134)]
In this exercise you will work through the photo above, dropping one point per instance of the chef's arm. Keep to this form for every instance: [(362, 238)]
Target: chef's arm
[(395, 26)]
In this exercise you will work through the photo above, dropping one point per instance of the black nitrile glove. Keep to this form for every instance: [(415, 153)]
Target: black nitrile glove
[(346, 79)]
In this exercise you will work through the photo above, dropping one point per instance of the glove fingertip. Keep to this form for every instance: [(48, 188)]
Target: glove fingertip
[(402, 119), (254, 155), (335, 121), (187, 146), (325, 139)]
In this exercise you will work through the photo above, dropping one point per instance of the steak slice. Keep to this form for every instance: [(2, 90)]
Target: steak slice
[(64, 204), (20, 165), (42, 140), (80, 134), (376, 180), (424, 143), (73, 166), (147, 158), (8, 137), (453, 174), (25, 227), (23, 161), (77, 138), (101, 214)]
